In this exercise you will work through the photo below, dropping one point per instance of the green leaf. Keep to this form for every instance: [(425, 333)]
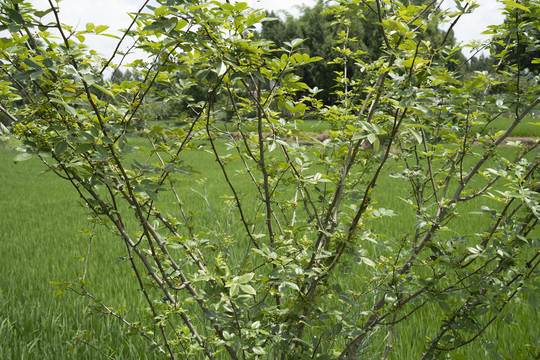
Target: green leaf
[(60, 147), (111, 36), (28, 74), (233, 290), (293, 43), (22, 157), (202, 74), (83, 148), (368, 261), (160, 10), (32, 64), (101, 28), (426, 110), (251, 19), (406, 102), (14, 16), (221, 68), (416, 135), (91, 79), (336, 330), (240, 6), (107, 140), (289, 284), (103, 90), (445, 307), (41, 14), (516, 5), (248, 289), (227, 335), (245, 278), (71, 110), (102, 150), (181, 24)]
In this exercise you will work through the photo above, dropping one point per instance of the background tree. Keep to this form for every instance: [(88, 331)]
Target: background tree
[(320, 25), (319, 28), (481, 63), (118, 76), (521, 29)]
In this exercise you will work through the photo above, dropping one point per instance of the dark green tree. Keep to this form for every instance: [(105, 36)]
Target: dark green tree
[(321, 25), (521, 29), (481, 63), (118, 76)]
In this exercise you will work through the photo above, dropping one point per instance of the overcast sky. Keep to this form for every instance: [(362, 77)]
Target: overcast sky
[(113, 14)]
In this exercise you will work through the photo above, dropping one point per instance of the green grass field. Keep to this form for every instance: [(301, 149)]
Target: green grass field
[(41, 242), (529, 126)]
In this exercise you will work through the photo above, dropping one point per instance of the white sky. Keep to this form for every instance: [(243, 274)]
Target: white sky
[(114, 14)]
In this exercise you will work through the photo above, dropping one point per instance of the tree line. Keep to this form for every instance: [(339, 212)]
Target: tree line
[(321, 27)]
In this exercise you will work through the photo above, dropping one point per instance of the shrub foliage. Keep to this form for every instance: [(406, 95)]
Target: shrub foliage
[(304, 272)]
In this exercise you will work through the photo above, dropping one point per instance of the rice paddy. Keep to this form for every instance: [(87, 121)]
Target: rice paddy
[(42, 241)]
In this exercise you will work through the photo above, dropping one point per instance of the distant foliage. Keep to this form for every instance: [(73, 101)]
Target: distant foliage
[(324, 28), (520, 29)]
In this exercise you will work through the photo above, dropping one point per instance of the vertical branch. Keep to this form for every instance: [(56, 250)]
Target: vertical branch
[(222, 166), (262, 164), (518, 64), (389, 339)]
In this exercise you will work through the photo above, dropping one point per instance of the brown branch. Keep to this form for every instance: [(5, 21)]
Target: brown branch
[(123, 37), (453, 25)]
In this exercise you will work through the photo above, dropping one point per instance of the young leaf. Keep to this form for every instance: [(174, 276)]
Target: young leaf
[(516, 5), (101, 28)]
